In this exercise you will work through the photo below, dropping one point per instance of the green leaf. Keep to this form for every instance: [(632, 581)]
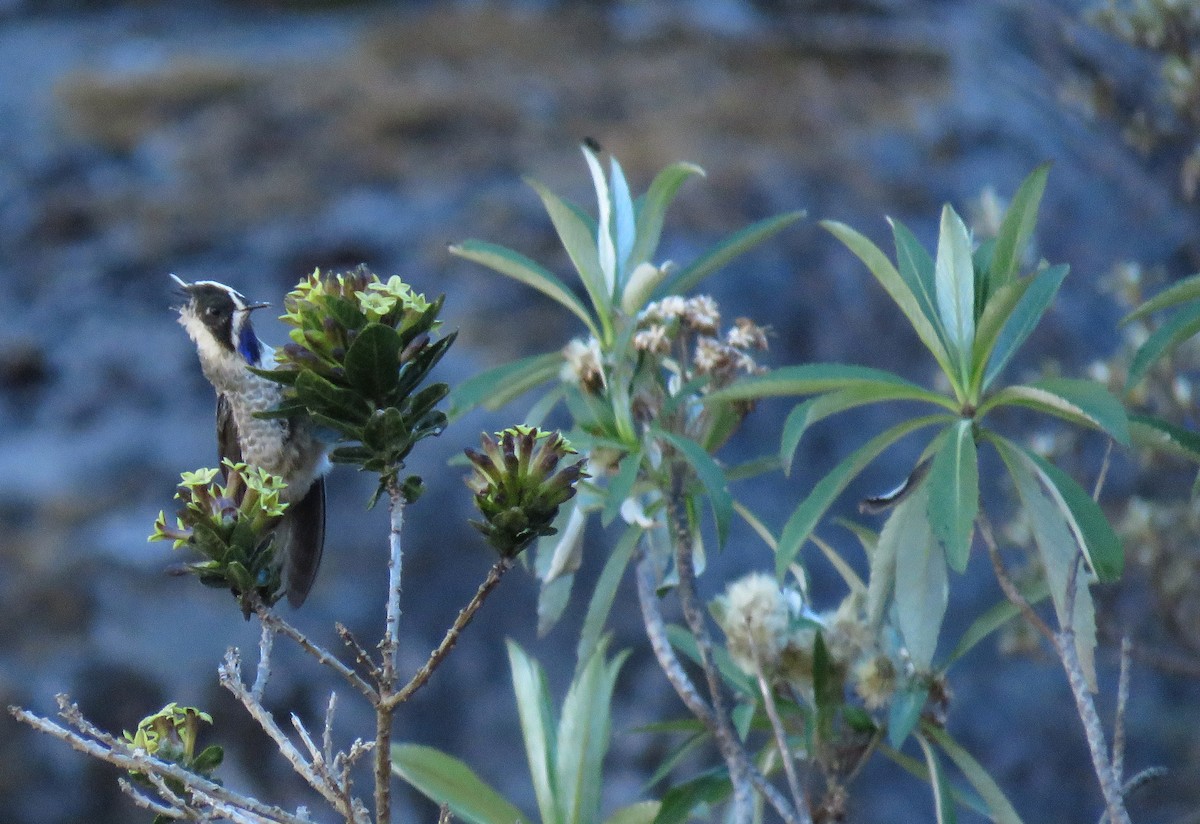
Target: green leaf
[(711, 477), (954, 494), (1162, 340), (921, 591), (712, 260), (1079, 401), (831, 403), (604, 593), (916, 267), (1017, 226), (341, 405), (373, 361), (805, 517), (386, 430), (679, 801), (533, 708), (621, 485), (1155, 433), (1183, 291), (497, 386), (1058, 548), (1011, 315), (954, 276), (682, 640), (905, 712), (653, 211), (896, 287), (943, 801), (606, 253), (583, 735), (445, 780), (624, 220), (1001, 810), (817, 378), (520, 268), (827, 688), (580, 241), (994, 618), (640, 812)]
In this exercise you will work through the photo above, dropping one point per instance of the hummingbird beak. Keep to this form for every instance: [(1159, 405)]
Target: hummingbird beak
[(184, 285), (254, 306)]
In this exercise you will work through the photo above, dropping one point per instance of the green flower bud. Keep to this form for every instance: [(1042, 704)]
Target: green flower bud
[(519, 486)]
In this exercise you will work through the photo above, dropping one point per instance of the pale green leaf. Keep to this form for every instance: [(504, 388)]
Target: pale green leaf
[(624, 220), (1162, 340), (497, 386), (604, 594), (1155, 433), (533, 709), (1036, 293), (606, 253), (579, 239), (1017, 226), (916, 267), (1079, 401), (445, 780), (726, 250), (518, 267), (640, 812), (999, 808), (943, 801), (679, 801), (805, 517), (889, 278), (954, 494), (583, 736), (816, 378), (922, 589), (654, 208), (621, 485), (904, 712), (1183, 291), (955, 280)]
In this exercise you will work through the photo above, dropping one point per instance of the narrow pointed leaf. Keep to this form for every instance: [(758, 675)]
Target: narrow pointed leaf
[(804, 519), (1003, 329), (580, 241), (533, 709), (1017, 226), (916, 267), (726, 250), (620, 486), (897, 289), (994, 618), (606, 253), (518, 267), (1001, 810), (943, 801), (679, 801), (1079, 401), (954, 494), (640, 812), (444, 779), (583, 736), (1155, 433), (604, 594), (849, 576), (815, 378), (624, 220), (904, 713), (922, 588), (1183, 291), (955, 280), (653, 211), (711, 477), (497, 386), (1163, 340)]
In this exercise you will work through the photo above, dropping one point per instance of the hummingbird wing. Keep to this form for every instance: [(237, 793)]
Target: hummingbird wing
[(227, 433), (302, 536)]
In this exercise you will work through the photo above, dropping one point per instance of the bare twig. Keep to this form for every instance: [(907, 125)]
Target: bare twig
[(785, 752), (276, 623), (388, 650), (144, 801), (1103, 474), (361, 656), (1118, 748), (1006, 583), (113, 751), (263, 673), (465, 615)]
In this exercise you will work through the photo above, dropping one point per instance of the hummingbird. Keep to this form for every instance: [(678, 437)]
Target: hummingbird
[(217, 319)]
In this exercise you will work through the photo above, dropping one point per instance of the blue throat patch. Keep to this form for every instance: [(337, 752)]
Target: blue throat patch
[(248, 346)]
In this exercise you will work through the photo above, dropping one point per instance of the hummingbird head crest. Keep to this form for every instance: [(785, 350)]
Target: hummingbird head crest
[(219, 314)]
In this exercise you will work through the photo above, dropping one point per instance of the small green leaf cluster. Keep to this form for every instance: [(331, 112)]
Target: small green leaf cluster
[(171, 735), (360, 351), (519, 485), (230, 522)]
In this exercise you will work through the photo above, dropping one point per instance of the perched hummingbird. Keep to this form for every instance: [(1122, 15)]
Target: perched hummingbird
[(217, 319)]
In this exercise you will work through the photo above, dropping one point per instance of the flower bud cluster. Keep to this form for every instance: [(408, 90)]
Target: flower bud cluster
[(519, 485), (231, 523), (765, 628), (171, 735)]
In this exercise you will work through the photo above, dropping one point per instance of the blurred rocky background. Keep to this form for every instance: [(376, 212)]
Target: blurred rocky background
[(249, 142)]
